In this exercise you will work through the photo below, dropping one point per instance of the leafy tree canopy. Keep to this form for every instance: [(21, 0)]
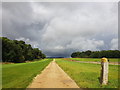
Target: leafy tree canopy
[(19, 51)]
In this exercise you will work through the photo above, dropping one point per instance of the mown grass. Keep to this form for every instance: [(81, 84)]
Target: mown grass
[(95, 59), (0, 76), (87, 75), (20, 75)]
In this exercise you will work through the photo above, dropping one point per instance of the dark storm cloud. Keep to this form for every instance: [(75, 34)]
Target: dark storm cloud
[(16, 19), (59, 29)]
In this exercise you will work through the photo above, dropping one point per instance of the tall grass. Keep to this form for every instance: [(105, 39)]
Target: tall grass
[(20, 75), (87, 75)]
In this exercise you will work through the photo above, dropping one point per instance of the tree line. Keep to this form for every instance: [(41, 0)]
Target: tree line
[(96, 54), (18, 51)]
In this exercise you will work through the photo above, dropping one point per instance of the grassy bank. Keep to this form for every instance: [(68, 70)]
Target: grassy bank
[(87, 75), (21, 74), (95, 59)]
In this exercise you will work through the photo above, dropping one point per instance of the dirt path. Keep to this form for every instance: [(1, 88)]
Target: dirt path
[(111, 63), (53, 77)]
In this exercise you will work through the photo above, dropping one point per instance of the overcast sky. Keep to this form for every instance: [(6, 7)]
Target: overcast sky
[(58, 29)]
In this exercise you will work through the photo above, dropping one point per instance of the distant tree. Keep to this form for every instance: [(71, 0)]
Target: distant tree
[(88, 52), (19, 51), (97, 54), (43, 56), (75, 54)]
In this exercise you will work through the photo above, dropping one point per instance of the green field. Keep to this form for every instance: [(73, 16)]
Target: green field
[(95, 59), (87, 75), (20, 75)]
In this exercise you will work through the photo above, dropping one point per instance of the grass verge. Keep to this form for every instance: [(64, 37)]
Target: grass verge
[(20, 75), (87, 75), (95, 59)]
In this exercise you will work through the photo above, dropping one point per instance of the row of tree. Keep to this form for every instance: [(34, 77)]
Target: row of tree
[(97, 54), (18, 51)]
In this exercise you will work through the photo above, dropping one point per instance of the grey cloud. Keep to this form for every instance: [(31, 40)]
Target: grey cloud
[(114, 44), (59, 29), (28, 41)]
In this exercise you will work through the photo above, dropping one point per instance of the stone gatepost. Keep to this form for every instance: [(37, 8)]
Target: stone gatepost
[(104, 71)]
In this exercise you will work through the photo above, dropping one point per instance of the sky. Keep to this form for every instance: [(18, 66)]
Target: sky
[(61, 28)]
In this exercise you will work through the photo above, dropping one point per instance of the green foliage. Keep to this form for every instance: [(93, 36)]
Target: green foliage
[(97, 54), (19, 51), (76, 54), (20, 75)]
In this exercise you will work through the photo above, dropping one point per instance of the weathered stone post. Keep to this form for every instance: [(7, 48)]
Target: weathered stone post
[(104, 71)]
